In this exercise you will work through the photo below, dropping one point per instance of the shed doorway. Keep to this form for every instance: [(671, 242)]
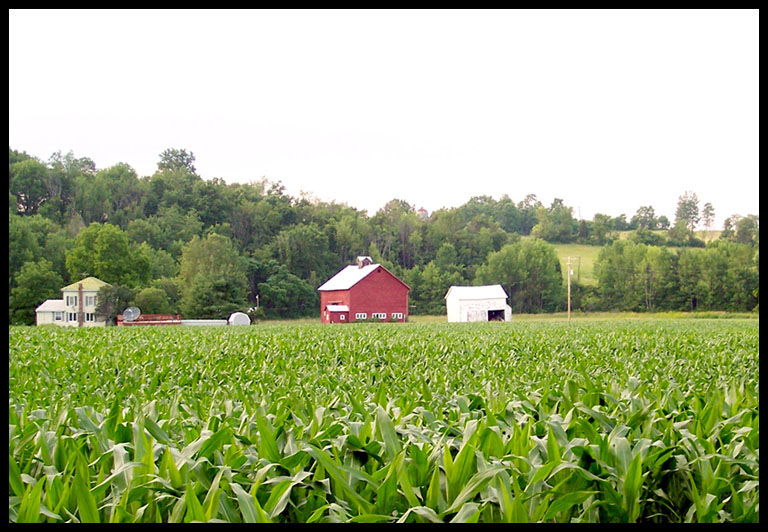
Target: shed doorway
[(496, 315)]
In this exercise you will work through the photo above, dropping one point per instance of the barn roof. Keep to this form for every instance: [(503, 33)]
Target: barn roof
[(52, 305), (350, 276), (494, 291), (337, 308)]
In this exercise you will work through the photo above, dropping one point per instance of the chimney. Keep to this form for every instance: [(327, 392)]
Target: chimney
[(79, 304), (363, 260)]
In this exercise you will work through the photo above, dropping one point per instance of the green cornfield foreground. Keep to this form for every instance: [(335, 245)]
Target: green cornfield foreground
[(603, 421)]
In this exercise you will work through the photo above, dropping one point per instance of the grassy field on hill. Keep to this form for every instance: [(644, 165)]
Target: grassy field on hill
[(583, 256)]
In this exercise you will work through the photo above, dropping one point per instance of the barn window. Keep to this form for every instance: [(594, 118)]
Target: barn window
[(379, 315), (342, 317), (397, 315), (361, 316)]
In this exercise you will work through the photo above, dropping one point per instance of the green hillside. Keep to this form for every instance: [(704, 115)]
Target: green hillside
[(583, 258)]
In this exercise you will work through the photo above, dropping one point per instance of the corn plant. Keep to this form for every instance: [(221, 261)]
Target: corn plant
[(605, 421)]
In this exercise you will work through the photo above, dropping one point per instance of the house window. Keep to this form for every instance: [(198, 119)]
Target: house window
[(361, 316), (379, 315), (58, 316), (90, 300), (397, 315), (71, 301), (89, 316), (71, 316)]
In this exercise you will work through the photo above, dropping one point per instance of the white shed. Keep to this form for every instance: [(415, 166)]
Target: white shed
[(477, 303)]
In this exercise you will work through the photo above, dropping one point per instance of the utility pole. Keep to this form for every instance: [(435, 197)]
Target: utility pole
[(578, 270), (569, 288)]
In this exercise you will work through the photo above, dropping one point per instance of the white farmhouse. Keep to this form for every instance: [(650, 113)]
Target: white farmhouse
[(77, 308), (477, 303)]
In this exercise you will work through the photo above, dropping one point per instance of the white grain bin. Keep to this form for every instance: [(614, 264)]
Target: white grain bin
[(239, 318)]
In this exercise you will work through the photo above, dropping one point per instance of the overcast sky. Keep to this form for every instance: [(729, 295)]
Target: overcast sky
[(607, 110)]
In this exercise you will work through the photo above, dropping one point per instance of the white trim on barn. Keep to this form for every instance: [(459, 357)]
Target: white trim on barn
[(477, 303)]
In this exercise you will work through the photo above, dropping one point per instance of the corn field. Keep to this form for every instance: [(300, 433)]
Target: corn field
[(605, 421)]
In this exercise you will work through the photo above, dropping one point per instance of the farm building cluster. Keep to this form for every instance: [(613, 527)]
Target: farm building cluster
[(363, 291), (77, 308), (368, 291)]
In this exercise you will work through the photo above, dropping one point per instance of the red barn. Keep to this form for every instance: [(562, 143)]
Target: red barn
[(363, 291)]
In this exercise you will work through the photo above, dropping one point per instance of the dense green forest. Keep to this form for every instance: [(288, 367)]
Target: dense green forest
[(174, 242)]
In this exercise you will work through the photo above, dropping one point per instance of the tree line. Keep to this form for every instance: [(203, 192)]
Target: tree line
[(174, 242)]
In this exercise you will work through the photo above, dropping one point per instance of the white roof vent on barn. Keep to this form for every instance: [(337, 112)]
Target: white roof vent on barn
[(363, 260)]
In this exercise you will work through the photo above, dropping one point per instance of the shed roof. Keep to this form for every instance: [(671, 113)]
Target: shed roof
[(52, 305), (494, 291), (89, 283)]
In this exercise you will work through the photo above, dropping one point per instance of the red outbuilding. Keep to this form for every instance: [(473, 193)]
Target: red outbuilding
[(363, 291)]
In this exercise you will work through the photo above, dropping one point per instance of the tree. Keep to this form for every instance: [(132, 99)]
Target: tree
[(708, 215), (212, 277), (111, 300), (620, 223), (645, 217), (688, 210), (23, 246), (729, 227), (430, 286), (447, 259), (174, 160), (556, 224), (747, 229), (60, 183), (602, 230), (353, 236), (529, 271), (528, 208), (170, 286), (27, 181), (642, 235), (285, 295), (106, 252), (619, 273), (153, 301), (35, 282), (304, 249)]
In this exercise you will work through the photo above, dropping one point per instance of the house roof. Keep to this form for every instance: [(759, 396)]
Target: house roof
[(89, 283), (337, 308), (350, 276), (494, 291), (52, 305)]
